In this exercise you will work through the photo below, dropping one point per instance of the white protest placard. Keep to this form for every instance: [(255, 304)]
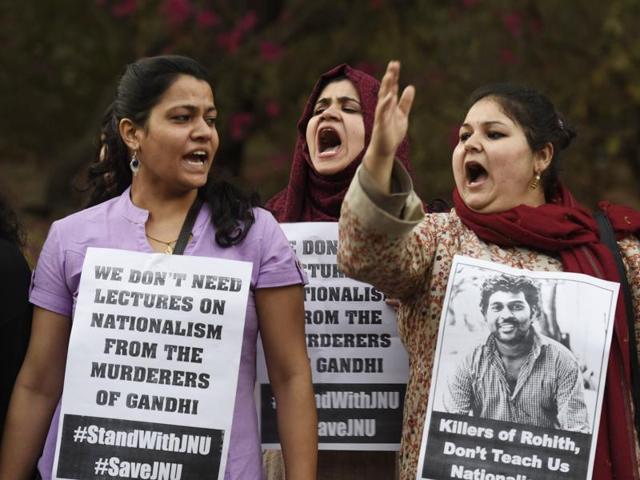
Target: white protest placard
[(519, 374), (359, 365), (152, 367)]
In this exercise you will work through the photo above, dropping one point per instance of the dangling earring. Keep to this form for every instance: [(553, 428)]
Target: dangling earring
[(533, 184), (134, 164)]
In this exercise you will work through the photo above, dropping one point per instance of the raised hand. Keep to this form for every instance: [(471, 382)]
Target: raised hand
[(390, 126)]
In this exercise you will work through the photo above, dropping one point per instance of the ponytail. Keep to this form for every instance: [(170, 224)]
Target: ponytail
[(231, 210)]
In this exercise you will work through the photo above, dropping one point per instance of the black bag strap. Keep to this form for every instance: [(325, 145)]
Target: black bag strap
[(608, 238), (185, 231)]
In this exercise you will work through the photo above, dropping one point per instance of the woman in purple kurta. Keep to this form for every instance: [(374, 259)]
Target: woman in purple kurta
[(171, 146)]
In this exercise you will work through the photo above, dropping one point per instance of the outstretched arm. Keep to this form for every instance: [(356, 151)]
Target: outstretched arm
[(281, 317), (389, 128), (384, 239)]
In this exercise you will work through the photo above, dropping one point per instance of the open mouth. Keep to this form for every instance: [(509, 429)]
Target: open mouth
[(328, 141), (475, 173), (197, 156)]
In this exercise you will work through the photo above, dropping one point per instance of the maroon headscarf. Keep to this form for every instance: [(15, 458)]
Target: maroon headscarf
[(310, 196), (569, 230)]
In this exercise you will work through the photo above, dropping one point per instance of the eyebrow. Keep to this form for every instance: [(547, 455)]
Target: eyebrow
[(508, 302), (485, 124), (193, 108), (345, 99)]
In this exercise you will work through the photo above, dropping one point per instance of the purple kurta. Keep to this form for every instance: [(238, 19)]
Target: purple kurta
[(118, 223)]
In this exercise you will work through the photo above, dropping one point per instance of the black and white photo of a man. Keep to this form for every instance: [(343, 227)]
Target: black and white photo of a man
[(517, 374)]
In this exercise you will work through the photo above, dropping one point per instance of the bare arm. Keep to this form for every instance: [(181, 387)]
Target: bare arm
[(35, 394), (281, 317)]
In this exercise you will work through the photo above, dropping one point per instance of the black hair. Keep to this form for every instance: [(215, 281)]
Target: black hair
[(539, 119), (10, 228), (512, 284), (139, 89)]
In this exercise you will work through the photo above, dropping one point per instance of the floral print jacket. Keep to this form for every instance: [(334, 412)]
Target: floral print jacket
[(388, 241)]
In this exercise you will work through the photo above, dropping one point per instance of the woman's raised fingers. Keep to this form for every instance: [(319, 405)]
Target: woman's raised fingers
[(389, 82), (406, 100)]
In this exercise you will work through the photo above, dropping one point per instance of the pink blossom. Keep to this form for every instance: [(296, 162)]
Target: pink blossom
[(270, 51), (124, 8), (375, 4), (230, 41), (247, 22), (507, 57), (513, 22), (207, 19), (177, 11), (272, 108), (239, 123)]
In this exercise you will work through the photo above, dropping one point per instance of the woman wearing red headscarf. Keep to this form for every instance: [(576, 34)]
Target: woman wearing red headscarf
[(333, 133)]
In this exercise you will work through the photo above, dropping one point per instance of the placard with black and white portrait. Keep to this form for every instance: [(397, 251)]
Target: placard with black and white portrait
[(522, 352)]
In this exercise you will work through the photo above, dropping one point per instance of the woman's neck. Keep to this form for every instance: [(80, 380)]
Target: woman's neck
[(162, 204)]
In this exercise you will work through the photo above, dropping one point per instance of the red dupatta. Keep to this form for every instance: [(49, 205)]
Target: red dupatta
[(313, 197), (567, 229)]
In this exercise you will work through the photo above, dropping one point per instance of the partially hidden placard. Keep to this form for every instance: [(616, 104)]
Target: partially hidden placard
[(358, 362)]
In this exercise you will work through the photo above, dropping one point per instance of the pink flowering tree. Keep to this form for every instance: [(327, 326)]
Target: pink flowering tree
[(60, 63)]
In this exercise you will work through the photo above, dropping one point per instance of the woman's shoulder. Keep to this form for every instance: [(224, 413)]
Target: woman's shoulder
[(447, 230), (630, 248), (264, 220), (86, 223), (443, 223), (87, 214), (94, 213), (266, 231), (630, 242)]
